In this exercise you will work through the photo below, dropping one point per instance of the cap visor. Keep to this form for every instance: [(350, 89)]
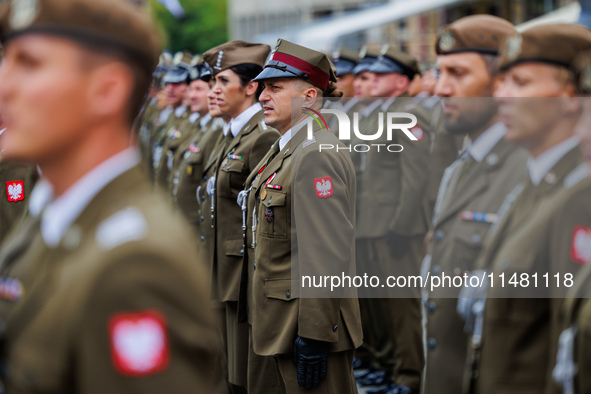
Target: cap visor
[(343, 69), (382, 67), (272, 72), (175, 77)]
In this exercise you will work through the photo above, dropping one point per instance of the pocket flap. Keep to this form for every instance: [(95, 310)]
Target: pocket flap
[(274, 198), (233, 166), (280, 289), (234, 247)]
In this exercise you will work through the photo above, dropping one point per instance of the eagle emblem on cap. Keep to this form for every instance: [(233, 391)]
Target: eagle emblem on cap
[(446, 40), (23, 13), (513, 47)]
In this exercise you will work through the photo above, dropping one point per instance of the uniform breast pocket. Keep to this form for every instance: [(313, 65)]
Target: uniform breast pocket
[(194, 163), (467, 247), (232, 178), (272, 215)]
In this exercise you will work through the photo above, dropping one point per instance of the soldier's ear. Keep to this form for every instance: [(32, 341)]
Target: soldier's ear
[(310, 96), (251, 88)]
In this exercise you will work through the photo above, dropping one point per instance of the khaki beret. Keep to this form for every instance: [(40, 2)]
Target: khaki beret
[(475, 33), (290, 60), (119, 27), (393, 60), (556, 44), (236, 52)]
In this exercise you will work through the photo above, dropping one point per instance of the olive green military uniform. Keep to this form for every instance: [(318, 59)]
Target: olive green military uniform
[(470, 208), (19, 178), (170, 131), (75, 293), (275, 312), (177, 135), (536, 235)]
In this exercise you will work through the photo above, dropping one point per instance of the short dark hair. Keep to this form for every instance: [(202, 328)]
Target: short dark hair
[(247, 72)]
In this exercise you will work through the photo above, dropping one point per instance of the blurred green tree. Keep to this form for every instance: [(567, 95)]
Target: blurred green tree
[(204, 25)]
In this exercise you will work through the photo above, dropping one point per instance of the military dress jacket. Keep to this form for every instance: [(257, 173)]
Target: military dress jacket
[(537, 235), (458, 239), (239, 159), (301, 218), (394, 183), (119, 306)]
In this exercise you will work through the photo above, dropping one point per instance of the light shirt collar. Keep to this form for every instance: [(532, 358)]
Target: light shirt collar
[(371, 107), (204, 120), (226, 128), (386, 104), (194, 116), (60, 213), (285, 138), (349, 104), (538, 167), (241, 120), (165, 114), (480, 148), (180, 110)]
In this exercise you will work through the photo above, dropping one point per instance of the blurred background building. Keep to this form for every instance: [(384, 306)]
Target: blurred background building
[(413, 24)]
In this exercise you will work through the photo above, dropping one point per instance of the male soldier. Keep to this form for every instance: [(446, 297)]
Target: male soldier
[(105, 293), (573, 361), (473, 188), (345, 61), (246, 142), (188, 127), (391, 220), (175, 128), (301, 214), (376, 351), (540, 234)]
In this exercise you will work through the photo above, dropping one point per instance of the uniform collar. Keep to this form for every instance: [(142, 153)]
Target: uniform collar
[(165, 114), (241, 120), (285, 138), (194, 116), (204, 120), (371, 107), (538, 167), (180, 111), (386, 104), (480, 148), (60, 213)]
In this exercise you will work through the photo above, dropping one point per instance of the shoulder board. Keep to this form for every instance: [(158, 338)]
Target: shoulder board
[(308, 142), (576, 176), (122, 227)]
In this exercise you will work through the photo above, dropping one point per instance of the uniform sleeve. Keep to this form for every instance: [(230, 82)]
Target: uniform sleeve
[(324, 217), (147, 329), (570, 237), (414, 162)]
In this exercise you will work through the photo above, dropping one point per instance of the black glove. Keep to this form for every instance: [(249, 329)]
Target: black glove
[(310, 358), (398, 244)]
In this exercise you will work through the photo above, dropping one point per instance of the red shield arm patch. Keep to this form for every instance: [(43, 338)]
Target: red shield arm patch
[(15, 191), (139, 343), (580, 250), (323, 187), (418, 133)]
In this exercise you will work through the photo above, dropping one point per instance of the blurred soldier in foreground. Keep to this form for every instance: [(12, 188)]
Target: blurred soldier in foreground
[(513, 344), (573, 356), (102, 290), (311, 339), (473, 188)]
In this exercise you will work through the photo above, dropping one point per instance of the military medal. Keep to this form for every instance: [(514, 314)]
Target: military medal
[(479, 217), (189, 170), (269, 215), (176, 135), (234, 157), (11, 289), (194, 149), (264, 194)]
